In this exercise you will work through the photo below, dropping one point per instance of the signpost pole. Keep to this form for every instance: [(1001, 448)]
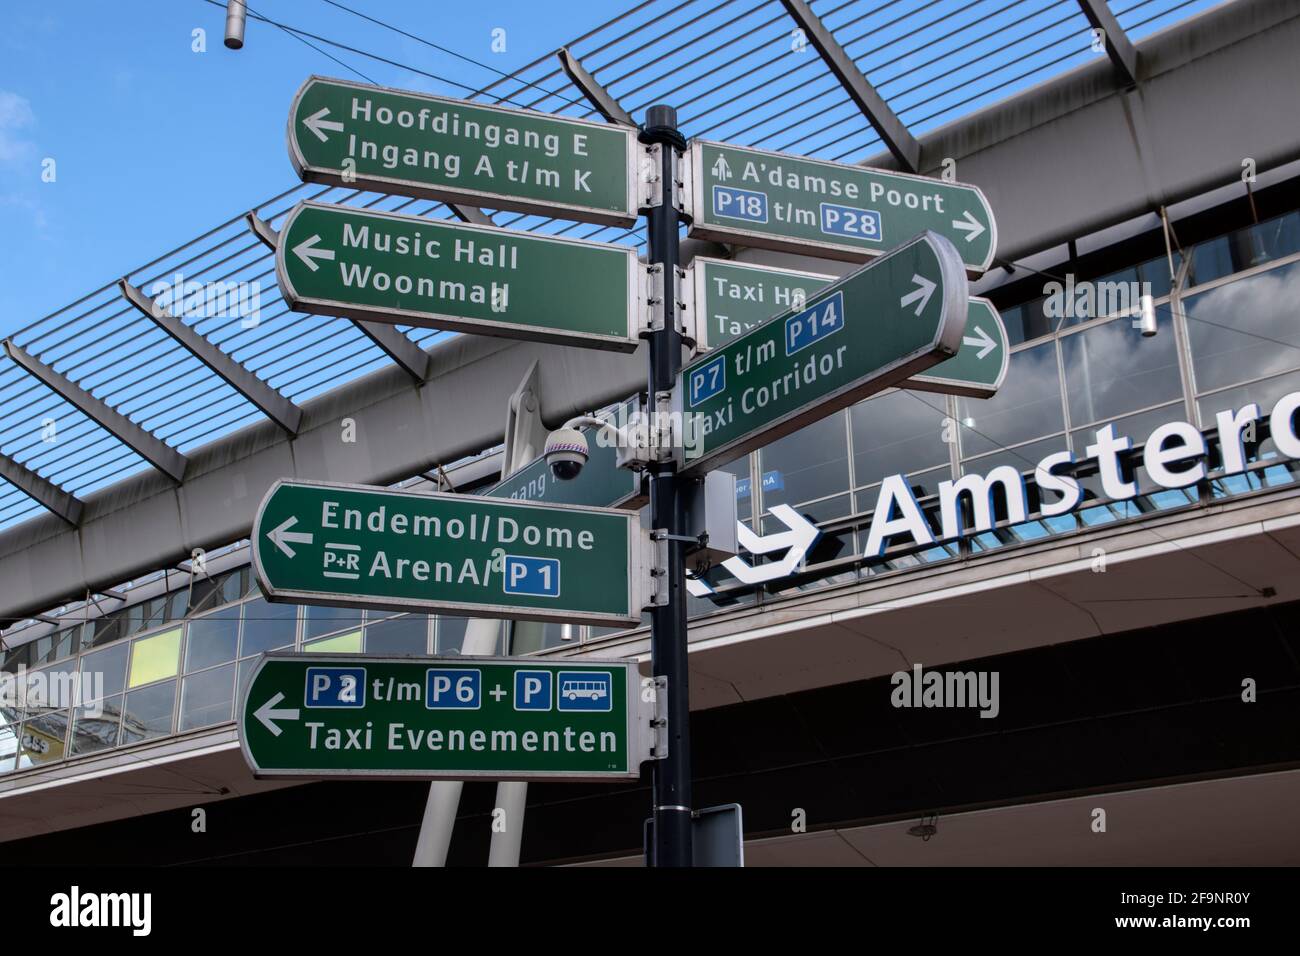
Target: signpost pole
[(672, 775)]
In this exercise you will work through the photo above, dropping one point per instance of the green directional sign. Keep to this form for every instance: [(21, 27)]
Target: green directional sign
[(890, 320), (833, 210), (731, 297), (358, 546), (395, 141), (457, 717), (386, 267)]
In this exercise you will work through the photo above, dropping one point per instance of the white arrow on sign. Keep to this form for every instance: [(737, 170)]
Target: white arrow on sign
[(921, 294), (980, 340), (969, 225), (317, 123), (308, 252), (798, 539), (268, 714), (282, 537)]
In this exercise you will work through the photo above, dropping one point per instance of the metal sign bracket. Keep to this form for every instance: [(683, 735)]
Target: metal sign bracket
[(651, 191)]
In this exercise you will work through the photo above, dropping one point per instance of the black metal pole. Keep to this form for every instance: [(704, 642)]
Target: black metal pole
[(672, 775)]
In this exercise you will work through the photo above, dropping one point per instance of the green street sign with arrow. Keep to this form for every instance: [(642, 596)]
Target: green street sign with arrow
[(360, 546), (731, 297), (833, 210), (386, 267), (397, 141), (890, 320), (444, 717)]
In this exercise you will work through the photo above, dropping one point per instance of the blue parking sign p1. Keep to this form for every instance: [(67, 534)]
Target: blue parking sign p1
[(539, 577)]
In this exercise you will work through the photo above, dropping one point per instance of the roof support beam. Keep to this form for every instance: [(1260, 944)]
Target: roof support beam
[(394, 343), (46, 493), (272, 404), (1121, 52), (885, 121), (470, 214), (158, 453), (596, 95)]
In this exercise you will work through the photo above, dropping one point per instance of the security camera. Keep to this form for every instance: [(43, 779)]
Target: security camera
[(566, 453)]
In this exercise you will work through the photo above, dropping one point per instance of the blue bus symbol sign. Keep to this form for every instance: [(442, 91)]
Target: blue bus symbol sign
[(336, 687), (584, 690), (538, 577), (743, 204)]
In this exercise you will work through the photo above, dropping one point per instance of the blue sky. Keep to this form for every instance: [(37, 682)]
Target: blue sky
[(154, 143)]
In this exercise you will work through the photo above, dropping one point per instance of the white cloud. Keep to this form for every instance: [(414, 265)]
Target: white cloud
[(15, 115)]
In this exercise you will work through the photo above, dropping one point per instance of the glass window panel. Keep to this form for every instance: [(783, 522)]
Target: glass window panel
[(398, 635), (105, 669), (154, 658), (451, 635), (50, 688), (106, 629), (923, 485), (267, 626), (148, 712), (206, 697), (528, 637), (1112, 369), (326, 620), (1028, 321), (96, 726), (1264, 394), (245, 672), (1027, 406), (897, 433), (338, 644), (1023, 458), (9, 732), (817, 512), (213, 639), (42, 739), (811, 463), (1154, 273), (1246, 329)]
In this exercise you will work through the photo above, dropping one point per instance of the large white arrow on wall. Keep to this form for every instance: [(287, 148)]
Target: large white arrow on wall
[(796, 540)]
